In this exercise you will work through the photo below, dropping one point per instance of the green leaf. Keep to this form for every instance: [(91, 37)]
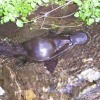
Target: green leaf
[(90, 21), (79, 3), (76, 14), (1, 22), (19, 23), (33, 5), (97, 19), (86, 5), (39, 2), (46, 1), (6, 19), (12, 18), (76, 1), (1, 12)]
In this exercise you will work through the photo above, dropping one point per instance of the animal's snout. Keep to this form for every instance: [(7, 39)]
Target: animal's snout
[(79, 38)]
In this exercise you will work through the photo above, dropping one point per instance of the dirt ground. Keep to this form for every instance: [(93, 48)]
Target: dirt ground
[(68, 82)]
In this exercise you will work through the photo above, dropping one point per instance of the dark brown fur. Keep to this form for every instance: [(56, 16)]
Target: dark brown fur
[(45, 49)]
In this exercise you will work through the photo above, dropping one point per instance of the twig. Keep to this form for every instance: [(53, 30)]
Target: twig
[(43, 22), (65, 26), (47, 13), (63, 16)]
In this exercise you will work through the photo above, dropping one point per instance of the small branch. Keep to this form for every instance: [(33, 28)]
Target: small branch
[(47, 13), (62, 26), (66, 4), (63, 16), (56, 17), (43, 22)]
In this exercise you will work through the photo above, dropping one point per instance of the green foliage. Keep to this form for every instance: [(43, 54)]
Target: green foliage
[(59, 2), (89, 10), (17, 10)]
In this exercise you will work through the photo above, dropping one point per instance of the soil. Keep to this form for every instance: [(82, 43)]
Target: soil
[(33, 82)]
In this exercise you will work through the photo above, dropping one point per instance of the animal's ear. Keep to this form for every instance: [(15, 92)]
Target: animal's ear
[(51, 65)]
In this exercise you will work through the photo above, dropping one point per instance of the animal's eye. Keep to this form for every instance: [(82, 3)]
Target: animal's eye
[(70, 43)]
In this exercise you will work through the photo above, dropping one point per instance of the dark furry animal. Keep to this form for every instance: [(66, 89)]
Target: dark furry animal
[(44, 49)]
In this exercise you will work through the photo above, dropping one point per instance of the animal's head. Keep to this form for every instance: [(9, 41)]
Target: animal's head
[(79, 38)]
